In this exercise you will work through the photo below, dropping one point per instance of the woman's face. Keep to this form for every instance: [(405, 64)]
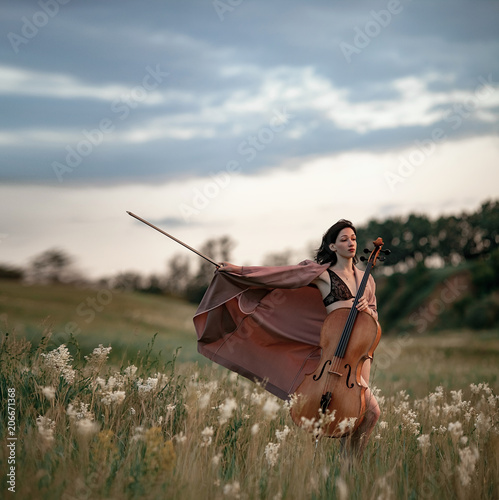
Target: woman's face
[(345, 244)]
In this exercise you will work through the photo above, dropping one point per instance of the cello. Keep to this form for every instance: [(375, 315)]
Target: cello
[(331, 400)]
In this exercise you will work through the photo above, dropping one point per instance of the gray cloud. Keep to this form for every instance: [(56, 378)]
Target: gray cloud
[(216, 64)]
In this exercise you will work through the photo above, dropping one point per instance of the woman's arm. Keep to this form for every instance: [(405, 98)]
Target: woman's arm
[(368, 301)]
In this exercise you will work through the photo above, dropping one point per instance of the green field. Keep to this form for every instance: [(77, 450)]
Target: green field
[(126, 320), (92, 427)]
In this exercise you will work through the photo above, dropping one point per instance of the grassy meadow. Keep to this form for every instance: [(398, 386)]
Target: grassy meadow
[(103, 413), (98, 315)]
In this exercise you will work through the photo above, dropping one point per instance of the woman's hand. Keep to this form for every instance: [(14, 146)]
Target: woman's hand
[(222, 265), (363, 305)]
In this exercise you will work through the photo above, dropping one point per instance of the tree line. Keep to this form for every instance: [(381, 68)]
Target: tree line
[(447, 240), (414, 241)]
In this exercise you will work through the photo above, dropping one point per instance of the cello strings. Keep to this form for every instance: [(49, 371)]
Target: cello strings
[(353, 312), (345, 337)]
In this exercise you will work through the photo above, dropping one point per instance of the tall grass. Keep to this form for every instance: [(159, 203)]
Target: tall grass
[(146, 429)]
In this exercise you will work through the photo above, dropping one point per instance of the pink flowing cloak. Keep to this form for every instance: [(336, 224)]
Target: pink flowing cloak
[(264, 322)]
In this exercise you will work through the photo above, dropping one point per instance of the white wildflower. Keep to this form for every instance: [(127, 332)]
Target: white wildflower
[(475, 389), (49, 393), (78, 411), (232, 489), (118, 397), (180, 438), (216, 459), (468, 458), (439, 430), (138, 434), (98, 357), (281, 435), (292, 401), (60, 361), (254, 429), (45, 428), (385, 490), (272, 453), (341, 488), (207, 435), (226, 409), (456, 430), (383, 425), (204, 400), (86, 427), (147, 387), (257, 397), (132, 411), (308, 423), (101, 382), (113, 397), (130, 371), (436, 396), (347, 424), (457, 396), (482, 423), (409, 421), (271, 407), (424, 442)]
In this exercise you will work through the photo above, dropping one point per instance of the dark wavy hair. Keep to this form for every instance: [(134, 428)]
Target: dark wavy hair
[(325, 254)]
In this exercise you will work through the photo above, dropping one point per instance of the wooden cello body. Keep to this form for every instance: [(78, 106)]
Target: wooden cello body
[(331, 400)]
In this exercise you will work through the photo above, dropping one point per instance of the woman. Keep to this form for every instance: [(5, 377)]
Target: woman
[(338, 286), (252, 316)]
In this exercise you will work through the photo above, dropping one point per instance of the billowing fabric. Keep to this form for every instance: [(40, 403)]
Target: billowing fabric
[(264, 322)]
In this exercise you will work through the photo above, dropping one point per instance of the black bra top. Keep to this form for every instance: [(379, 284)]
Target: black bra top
[(339, 290)]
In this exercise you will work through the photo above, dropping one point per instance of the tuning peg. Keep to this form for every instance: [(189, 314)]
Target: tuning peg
[(382, 259), (362, 258), (386, 252), (366, 250)]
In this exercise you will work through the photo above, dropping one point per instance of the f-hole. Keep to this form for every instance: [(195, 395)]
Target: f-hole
[(322, 371), (349, 385)]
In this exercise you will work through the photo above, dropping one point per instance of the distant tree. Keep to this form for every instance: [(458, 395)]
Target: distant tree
[(51, 266), (153, 284), (11, 273), (484, 229), (278, 258), (178, 275), (129, 281), (451, 234)]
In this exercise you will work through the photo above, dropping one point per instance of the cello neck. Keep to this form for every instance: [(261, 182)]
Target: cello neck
[(347, 330), (363, 283)]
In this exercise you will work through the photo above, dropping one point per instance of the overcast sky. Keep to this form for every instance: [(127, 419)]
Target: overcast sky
[(264, 120)]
